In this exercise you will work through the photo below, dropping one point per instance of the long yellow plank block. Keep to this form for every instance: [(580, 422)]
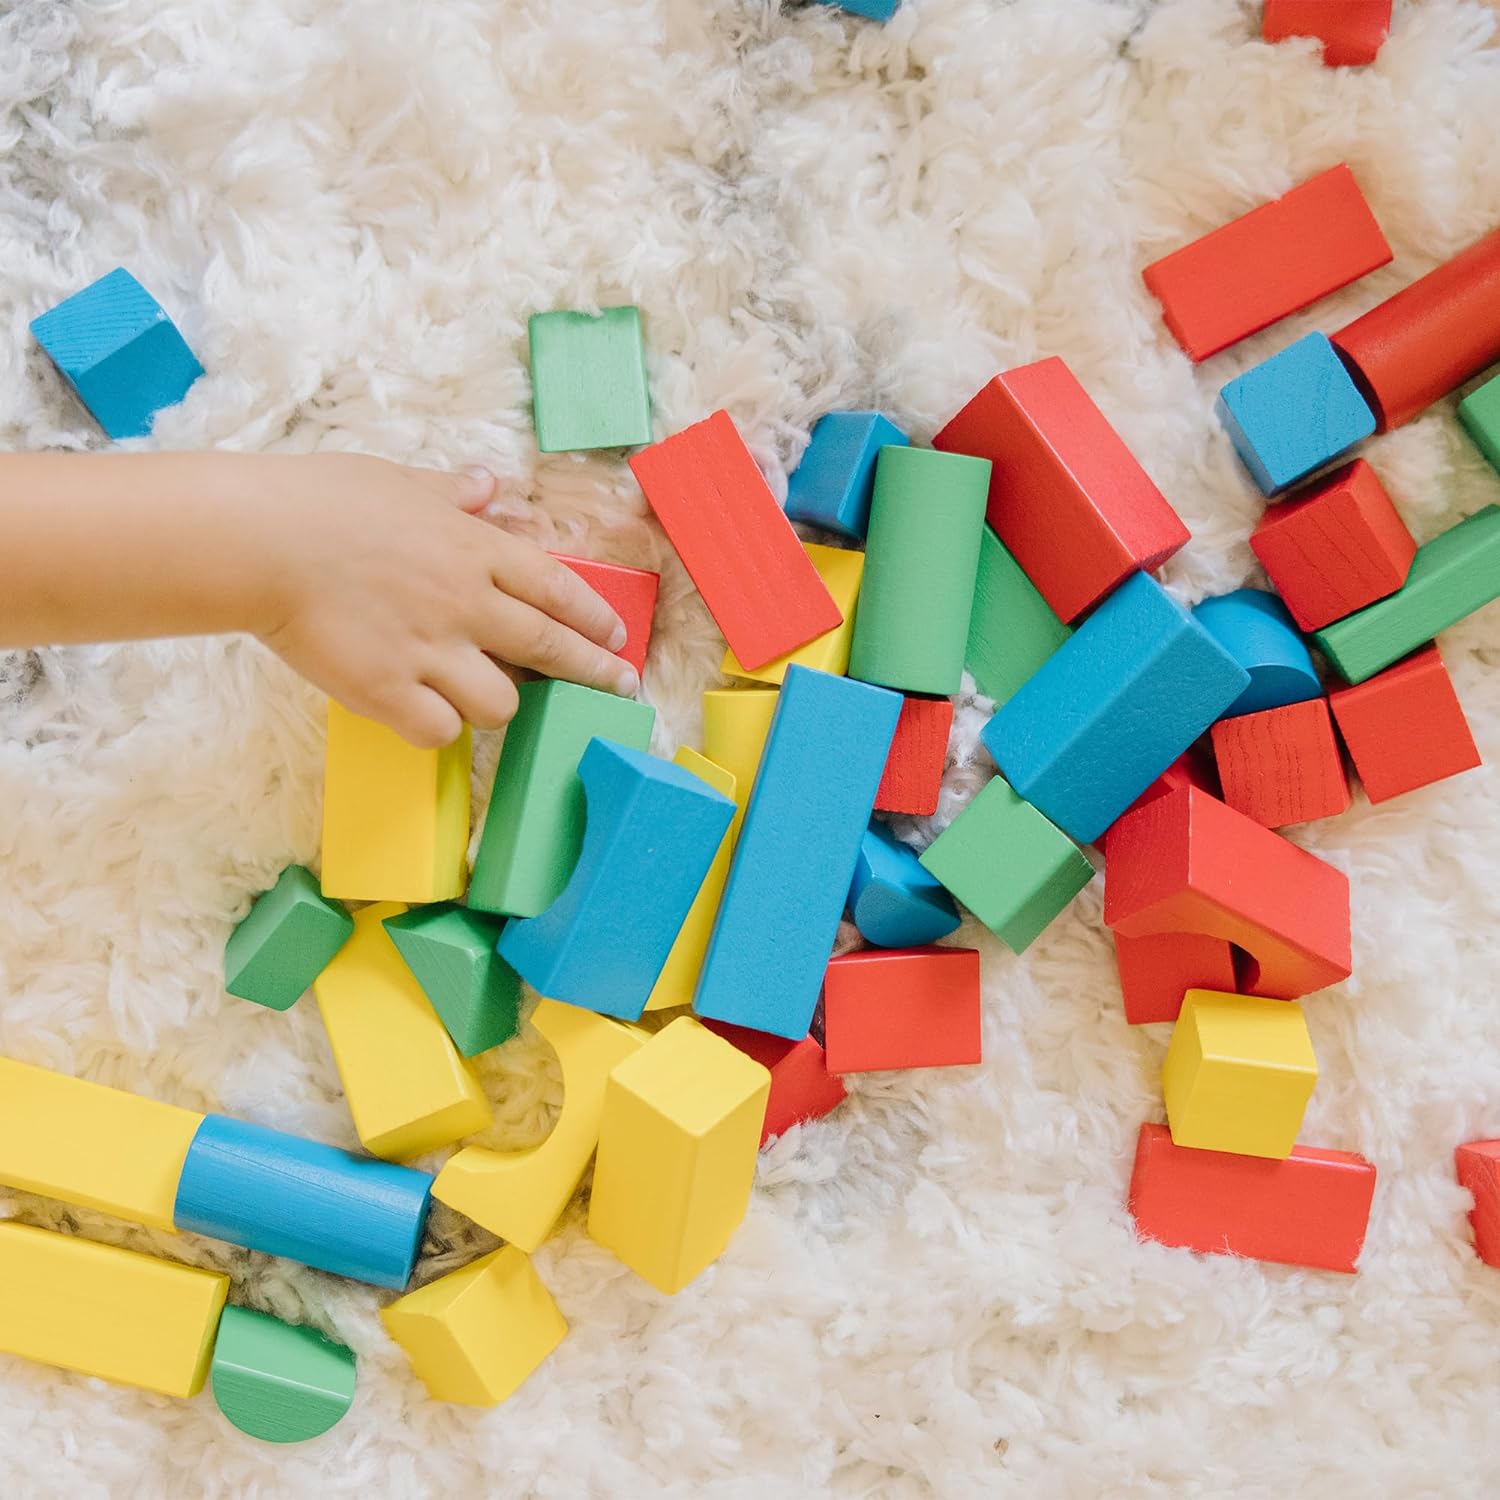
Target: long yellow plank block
[(736, 723)]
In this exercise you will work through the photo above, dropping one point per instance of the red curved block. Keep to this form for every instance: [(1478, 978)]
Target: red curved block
[(914, 768), (630, 592), (1156, 972), (802, 1088), (1478, 1165), (1352, 31)]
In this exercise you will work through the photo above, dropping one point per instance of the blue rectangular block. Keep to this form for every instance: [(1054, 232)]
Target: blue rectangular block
[(876, 10), (831, 486), (792, 869), (1112, 708)]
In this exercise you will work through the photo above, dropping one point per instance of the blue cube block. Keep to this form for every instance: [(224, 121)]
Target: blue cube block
[(876, 10), (121, 353), (1294, 413), (831, 486)]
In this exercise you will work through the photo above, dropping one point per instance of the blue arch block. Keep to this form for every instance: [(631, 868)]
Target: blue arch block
[(894, 902), (1258, 631), (832, 485)]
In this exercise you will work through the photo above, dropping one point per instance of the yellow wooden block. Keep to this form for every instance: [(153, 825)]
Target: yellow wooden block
[(408, 1089), (90, 1145), (519, 1195), (474, 1335), (841, 572), (1238, 1074), (677, 1151), (736, 722), (108, 1312), (395, 819)]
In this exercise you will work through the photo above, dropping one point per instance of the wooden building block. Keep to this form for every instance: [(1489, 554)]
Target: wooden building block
[(408, 1089), (630, 592), (1012, 629), (588, 380), (871, 10), (1255, 628), (1194, 767), (533, 829), (831, 487), (902, 1008), (395, 818), (1337, 548), (1067, 497), (893, 900), (121, 353), (1479, 411), (802, 1088), (1478, 1167), (293, 930), (677, 1147), (1352, 31), (1156, 972), (1186, 862), (841, 572), (795, 861), (1282, 765), (1272, 261), (519, 1195), (474, 1335), (913, 776), (736, 722), (277, 1381), (740, 550), (921, 560), (1112, 708), (104, 1311), (1011, 867), (1311, 1209), (1405, 728)]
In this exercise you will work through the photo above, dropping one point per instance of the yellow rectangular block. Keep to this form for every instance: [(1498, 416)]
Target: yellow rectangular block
[(408, 1089), (108, 1312), (395, 819), (736, 722), (1238, 1074), (677, 1150), (841, 571), (97, 1147)]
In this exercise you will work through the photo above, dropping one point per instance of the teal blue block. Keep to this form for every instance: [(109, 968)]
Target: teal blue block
[(893, 901), (874, 10), (1258, 631), (832, 485)]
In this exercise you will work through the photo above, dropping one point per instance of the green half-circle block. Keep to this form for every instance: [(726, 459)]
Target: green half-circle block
[(279, 1381)]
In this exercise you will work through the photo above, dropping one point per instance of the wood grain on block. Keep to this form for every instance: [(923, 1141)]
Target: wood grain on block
[(913, 777), (1282, 765)]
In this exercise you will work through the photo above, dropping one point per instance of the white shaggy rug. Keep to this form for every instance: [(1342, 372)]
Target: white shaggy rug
[(353, 205)]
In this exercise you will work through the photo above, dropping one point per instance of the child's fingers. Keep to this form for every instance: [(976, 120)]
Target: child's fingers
[(477, 688), (423, 717), (525, 636), (541, 581), (467, 489)]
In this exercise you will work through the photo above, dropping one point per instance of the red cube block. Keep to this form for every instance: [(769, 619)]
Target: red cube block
[(901, 1008), (1352, 31), (1282, 765), (1156, 972), (630, 592), (802, 1088), (1478, 1166), (914, 767)]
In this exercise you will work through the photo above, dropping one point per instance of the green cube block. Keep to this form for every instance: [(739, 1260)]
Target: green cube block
[(286, 941), (588, 380), (1480, 413), (1012, 629), (280, 1382)]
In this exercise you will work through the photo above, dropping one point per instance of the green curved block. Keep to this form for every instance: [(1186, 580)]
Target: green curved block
[(288, 939), (278, 1381)]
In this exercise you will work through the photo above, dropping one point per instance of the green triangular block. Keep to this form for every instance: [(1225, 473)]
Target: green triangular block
[(286, 941)]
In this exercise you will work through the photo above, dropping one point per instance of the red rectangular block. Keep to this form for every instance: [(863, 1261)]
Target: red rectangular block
[(802, 1088), (1156, 972), (1352, 31), (914, 768), (1282, 765), (1478, 1165), (630, 592), (745, 559), (1067, 497), (901, 1008)]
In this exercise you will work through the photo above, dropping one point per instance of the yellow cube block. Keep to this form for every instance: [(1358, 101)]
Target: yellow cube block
[(474, 1335), (395, 818), (1238, 1074), (841, 571), (677, 1150), (736, 722)]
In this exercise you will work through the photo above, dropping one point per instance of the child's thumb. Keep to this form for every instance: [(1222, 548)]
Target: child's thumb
[(473, 489)]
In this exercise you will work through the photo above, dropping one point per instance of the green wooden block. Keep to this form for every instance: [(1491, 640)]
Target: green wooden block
[(534, 827), (1012, 630), (285, 942), (451, 951), (1011, 867), (588, 380), (1454, 574), (1479, 411), (278, 1381)]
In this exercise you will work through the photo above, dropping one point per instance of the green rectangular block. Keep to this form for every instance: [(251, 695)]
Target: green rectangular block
[(588, 380), (1012, 629), (1480, 413), (285, 942)]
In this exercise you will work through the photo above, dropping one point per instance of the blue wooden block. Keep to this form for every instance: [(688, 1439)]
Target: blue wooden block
[(652, 832), (1112, 708), (1258, 631), (280, 1194), (894, 902), (121, 353), (794, 864), (831, 486), (1294, 413), (876, 10)]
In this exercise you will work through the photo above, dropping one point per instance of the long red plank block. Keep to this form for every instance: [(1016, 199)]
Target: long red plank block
[(1271, 261), (1067, 497), (1156, 972), (802, 1088), (1429, 338), (1352, 31), (1188, 863), (914, 768), (1310, 1210), (901, 1008), (630, 592), (718, 512), (1478, 1165)]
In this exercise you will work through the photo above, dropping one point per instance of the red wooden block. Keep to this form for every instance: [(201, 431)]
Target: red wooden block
[(630, 592), (901, 1008), (1352, 31), (1191, 768), (1189, 863), (1310, 1210), (1271, 261), (1405, 728), (802, 1088), (1478, 1166), (1156, 972), (914, 767), (747, 562), (1067, 497), (1282, 765)]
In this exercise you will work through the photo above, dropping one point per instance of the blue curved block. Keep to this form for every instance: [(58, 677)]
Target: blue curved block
[(832, 485), (1258, 631), (894, 902), (281, 1194)]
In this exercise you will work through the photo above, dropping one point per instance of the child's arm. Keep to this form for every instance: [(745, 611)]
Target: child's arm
[(369, 578)]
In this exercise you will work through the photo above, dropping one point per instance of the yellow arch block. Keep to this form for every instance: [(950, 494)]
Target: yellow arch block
[(842, 571)]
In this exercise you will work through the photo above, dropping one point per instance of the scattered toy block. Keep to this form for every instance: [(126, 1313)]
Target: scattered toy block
[(108, 1312), (1478, 1166), (677, 1148), (735, 725), (1189, 769), (740, 550), (893, 901), (1405, 728), (902, 1008), (871, 10), (802, 1088), (588, 380), (630, 592), (1282, 765), (1311, 1209), (1352, 31), (122, 355), (519, 1195), (1112, 708), (277, 1381), (831, 487), (475, 1335), (1479, 411), (1067, 497), (841, 572), (1012, 629), (795, 861), (285, 942), (1274, 260), (1255, 628), (913, 778), (533, 829), (1156, 972)]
